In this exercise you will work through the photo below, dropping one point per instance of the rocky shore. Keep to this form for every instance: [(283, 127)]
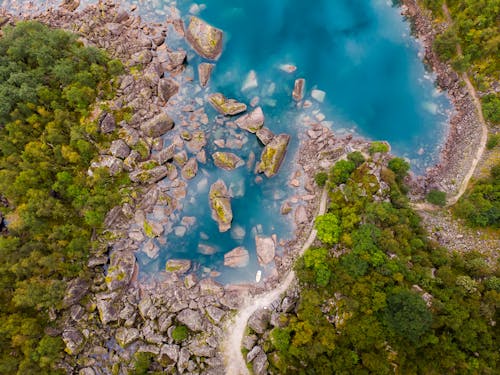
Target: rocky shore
[(464, 132)]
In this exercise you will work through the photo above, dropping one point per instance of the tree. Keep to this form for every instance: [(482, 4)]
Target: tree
[(328, 228)]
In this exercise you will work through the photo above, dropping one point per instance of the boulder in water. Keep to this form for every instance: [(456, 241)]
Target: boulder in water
[(229, 107), (298, 89), (220, 204), (273, 155), (265, 249), (204, 72), (158, 125), (205, 39), (178, 265), (227, 160), (252, 121), (265, 135)]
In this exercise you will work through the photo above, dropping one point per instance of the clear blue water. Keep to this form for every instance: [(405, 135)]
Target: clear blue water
[(359, 52)]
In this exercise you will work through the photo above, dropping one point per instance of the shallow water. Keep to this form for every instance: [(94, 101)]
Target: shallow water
[(359, 52)]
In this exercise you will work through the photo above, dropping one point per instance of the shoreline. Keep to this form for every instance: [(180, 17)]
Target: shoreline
[(464, 133)]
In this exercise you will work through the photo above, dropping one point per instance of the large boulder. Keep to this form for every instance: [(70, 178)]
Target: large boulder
[(190, 169), (75, 291), (149, 176), (191, 319), (74, 341), (158, 125), (273, 154), (265, 249), (220, 203), (107, 123), (204, 72), (264, 135), (113, 164), (252, 121), (119, 149), (298, 89), (167, 88), (107, 307), (229, 107), (165, 155), (125, 336), (121, 269), (227, 160), (259, 320), (205, 39), (237, 258)]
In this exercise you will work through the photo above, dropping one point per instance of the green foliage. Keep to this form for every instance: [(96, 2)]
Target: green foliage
[(480, 206), (363, 309), (341, 171), (436, 197), (356, 157), (378, 147), (320, 178), (180, 333), (491, 108), (400, 167), (48, 81), (493, 141), (142, 363), (328, 228)]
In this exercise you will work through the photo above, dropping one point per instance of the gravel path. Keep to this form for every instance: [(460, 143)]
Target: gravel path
[(235, 329)]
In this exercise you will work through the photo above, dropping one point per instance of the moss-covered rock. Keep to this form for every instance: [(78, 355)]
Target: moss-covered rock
[(273, 155), (227, 160), (220, 204), (205, 39), (252, 121), (229, 107)]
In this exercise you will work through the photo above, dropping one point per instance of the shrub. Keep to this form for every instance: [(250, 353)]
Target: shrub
[(437, 197), (493, 141), (180, 333), (400, 167), (356, 157), (321, 178), (341, 171), (328, 227), (377, 147), (491, 108)]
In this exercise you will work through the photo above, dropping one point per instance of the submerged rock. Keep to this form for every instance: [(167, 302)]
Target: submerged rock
[(167, 88), (237, 258), (227, 160), (226, 106), (265, 249), (252, 121), (158, 125), (273, 155), (220, 204), (298, 89), (265, 135), (204, 72), (205, 39)]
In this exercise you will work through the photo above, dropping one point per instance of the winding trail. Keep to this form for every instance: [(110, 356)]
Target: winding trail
[(235, 328), (484, 128)]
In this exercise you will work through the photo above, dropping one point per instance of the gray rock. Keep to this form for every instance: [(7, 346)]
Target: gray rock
[(204, 72), (153, 349), (265, 135), (113, 164), (165, 322), (197, 142), (176, 58), (215, 313), (149, 200), (301, 215), (179, 266), (249, 341), (147, 309), (265, 249), (286, 208), (70, 5), (191, 319), (200, 349), (182, 361), (75, 291), (259, 320), (190, 281), (260, 364), (169, 353), (237, 258), (298, 89), (126, 336), (107, 308), (181, 158), (158, 125), (142, 57), (220, 203), (229, 107), (86, 371), (149, 176), (227, 160), (232, 300), (167, 88), (165, 155), (253, 353), (107, 123), (74, 341), (190, 169), (252, 121), (206, 40), (119, 149), (209, 286), (287, 305)]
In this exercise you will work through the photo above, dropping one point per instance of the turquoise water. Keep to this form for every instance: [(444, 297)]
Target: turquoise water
[(359, 52)]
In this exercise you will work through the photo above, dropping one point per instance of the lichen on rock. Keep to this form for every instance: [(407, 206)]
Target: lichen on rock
[(220, 204), (205, 39), (229, 107), (227, 160), (273, 155)]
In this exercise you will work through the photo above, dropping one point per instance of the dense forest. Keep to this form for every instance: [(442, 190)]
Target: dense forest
[(48, 84), (377, 296)]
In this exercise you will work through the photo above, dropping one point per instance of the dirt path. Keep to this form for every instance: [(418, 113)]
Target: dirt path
[(484, 128), (235, 329)]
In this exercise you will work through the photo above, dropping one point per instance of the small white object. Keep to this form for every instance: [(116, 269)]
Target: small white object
[(250, 81), (258, 276), (318, 95)]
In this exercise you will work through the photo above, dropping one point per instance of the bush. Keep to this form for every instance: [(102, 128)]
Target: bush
[(491, 108), (356, 157), (321, 178), (400, 167), (493, 141), (436, 197), (341, 171), (180, 333), (378, 147), (328, 227)]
